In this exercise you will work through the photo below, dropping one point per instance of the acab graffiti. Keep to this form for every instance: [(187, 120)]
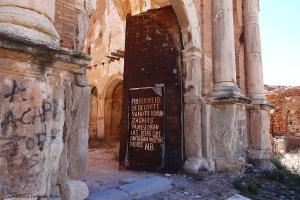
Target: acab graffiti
[(29, 116), (23, 136)]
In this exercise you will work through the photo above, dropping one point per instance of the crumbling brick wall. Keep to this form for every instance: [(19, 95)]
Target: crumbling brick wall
[(65, 22), (285, 120)]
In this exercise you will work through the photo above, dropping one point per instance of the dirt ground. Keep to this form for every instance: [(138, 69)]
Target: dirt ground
[(103, 169), (103, 173)]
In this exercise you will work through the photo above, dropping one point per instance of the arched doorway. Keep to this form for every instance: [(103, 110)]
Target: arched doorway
[(93, 127), (116, 112), (113, 107)]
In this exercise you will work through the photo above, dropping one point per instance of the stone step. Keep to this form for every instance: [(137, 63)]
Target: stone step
[(238, 197), (112, 194), (136, 190), (147, 187)]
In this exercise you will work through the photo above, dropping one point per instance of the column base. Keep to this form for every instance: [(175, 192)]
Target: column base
[(233, 164), (226, 91), (261, 159), (229, 135), (260, 140), (194, 165), (258, 99), (256, 155)]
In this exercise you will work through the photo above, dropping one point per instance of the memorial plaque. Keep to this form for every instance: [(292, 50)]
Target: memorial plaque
[(146, 121), (153, 56)]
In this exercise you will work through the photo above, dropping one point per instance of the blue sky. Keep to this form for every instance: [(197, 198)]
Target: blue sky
[(280, 35)]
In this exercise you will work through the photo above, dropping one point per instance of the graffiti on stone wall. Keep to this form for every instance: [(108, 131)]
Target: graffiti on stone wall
[(23, 137), (242, 125), (14, 91)]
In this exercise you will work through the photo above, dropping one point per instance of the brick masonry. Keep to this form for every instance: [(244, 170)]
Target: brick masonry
[(285, 120), (65, 22)]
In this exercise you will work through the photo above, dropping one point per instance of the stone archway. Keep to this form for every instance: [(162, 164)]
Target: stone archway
[(188, 18), (111, 98)]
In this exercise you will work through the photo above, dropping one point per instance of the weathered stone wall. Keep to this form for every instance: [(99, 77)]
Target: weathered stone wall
[(44, 105), (44, 119), (285, 120), (32, 119)]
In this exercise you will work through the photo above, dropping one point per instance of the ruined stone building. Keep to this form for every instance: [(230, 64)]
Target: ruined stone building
[(285, 119), (178, 82)]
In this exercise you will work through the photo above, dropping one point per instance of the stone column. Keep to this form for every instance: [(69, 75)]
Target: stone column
[(193, 111), (30, 19), (228, 106), (254, 70), (259, 113), (224, 52)]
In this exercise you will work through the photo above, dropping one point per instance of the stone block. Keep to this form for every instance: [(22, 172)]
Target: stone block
[(229, 136), (193, 165), (112, 194), (259, 129), (75, 190), (81, 80), (238, 197), (147, 187), (230, 164), (279, 145)]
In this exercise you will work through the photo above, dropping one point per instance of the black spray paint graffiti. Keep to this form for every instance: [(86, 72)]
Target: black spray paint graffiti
[(54, 133), (15, 90), (24, 162), (10, 148), (22, 148), (29, 116)]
